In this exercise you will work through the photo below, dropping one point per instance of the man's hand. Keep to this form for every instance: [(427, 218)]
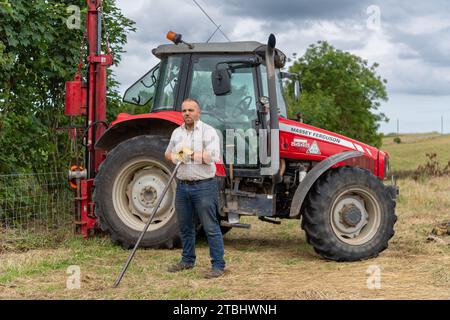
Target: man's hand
[(183, 155)]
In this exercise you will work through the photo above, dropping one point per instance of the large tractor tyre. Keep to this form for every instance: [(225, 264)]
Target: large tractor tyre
[(349, 215), (127, 187)]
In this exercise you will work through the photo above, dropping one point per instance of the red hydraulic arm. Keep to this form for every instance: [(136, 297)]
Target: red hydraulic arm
[(97, 72), (88, 99)]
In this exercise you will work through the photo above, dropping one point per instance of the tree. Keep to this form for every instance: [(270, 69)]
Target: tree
[(38, 54), (341, 93)]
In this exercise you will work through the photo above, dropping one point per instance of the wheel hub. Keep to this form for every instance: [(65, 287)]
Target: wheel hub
[(350, 215), (148, 195), (143, 191)]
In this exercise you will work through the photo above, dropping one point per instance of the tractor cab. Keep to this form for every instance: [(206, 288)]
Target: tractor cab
[(163, 88), (229, 80)]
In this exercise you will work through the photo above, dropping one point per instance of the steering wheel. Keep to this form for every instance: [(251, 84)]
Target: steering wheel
[(213, 115), (242, 107)]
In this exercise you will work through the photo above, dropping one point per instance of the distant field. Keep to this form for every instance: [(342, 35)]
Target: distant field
[(412, 150)]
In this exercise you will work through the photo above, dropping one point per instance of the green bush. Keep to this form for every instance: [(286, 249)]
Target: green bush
[(341, 93)]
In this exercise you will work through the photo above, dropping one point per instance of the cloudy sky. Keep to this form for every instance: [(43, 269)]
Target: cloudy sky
[(409, 39)]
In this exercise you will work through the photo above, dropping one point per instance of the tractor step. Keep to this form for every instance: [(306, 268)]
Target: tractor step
[(235, 225), (269, 220)]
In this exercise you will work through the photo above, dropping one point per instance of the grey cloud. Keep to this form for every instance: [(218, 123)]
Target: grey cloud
[(408, 55), (282, 10), (430, 48), (397, 11), (156, 18), (285, 9), (300, 18)]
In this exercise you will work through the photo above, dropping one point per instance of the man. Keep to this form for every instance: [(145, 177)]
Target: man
[(197, 192)]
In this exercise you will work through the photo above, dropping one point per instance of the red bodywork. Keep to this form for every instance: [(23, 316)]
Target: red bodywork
[(296, 140)]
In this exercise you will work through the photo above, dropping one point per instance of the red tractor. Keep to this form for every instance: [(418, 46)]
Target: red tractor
[(334, 184)]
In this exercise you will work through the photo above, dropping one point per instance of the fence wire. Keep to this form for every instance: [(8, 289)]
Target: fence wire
[(35, 202)]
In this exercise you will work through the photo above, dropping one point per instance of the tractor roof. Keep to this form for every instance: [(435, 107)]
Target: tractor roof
[(218, 47)]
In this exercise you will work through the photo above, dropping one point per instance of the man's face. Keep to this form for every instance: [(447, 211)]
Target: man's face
[(190, 111)]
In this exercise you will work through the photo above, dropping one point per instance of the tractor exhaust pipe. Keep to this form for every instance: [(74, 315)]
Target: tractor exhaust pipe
[(273, 139), (130, 257)]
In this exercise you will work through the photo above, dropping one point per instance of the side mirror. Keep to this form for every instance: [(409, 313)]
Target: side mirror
[(297, 90), (221, 81)]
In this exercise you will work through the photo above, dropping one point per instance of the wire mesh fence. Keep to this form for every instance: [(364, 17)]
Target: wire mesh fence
[(35, 203)]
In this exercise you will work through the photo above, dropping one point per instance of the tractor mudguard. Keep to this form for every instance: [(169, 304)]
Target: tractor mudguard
[(313, 175), (135, 126)]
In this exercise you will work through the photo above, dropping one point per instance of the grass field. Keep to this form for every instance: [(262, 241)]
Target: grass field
[(265, 262), (413, 148)]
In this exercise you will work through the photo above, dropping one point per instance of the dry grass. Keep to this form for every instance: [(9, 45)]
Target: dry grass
[(265, 262)]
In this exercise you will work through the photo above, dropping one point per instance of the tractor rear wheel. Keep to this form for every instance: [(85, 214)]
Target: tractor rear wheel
[(349, 215), (127, 186)]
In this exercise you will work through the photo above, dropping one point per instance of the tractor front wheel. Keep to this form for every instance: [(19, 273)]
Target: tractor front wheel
[(349, 215)]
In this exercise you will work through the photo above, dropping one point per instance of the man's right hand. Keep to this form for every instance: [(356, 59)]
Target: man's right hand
[(183, 155), (176, 158)]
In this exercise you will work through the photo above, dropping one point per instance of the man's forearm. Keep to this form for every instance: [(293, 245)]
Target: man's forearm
[(202, 157), (207, 157)]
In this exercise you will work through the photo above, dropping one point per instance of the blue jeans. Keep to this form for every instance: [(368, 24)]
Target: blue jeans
[(200, 201)]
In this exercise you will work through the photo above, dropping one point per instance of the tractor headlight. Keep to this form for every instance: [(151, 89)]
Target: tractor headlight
[(387, 167)]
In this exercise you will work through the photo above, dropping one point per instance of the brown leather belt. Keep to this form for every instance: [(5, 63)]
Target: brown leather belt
[(194, 181)]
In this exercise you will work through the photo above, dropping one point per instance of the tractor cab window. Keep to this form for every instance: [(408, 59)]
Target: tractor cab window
[(236, 109), (158, 87), (143, 91), (169, 79), (234, 112), (282, 109)]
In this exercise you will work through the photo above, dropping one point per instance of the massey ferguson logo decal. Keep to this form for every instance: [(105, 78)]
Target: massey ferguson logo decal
[(316, 135)]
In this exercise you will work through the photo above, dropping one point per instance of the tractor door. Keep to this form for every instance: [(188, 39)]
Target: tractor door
[(161, 88), (234, 115)]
